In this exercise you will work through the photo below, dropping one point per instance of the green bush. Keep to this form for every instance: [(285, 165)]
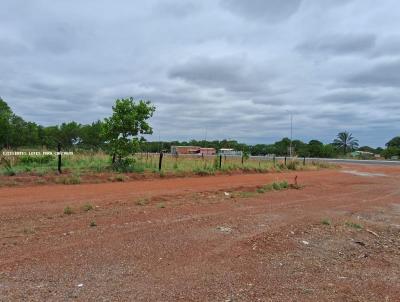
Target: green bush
[(27, 160), (68, 210), (87, 207)]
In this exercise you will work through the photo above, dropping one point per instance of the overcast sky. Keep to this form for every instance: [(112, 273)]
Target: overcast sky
[(221, 68)]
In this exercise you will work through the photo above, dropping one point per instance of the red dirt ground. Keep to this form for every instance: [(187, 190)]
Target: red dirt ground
[(205, 239)]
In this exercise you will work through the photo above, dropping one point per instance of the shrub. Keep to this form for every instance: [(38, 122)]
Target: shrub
[(124, 165), (87, 207), (142, 202), (68, 210), (326, 222), (293, 165), (276, 186), (9, 172), (354, 225), (93, 224)]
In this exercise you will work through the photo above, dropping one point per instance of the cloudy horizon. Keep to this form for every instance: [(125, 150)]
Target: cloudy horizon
[(223, 69)]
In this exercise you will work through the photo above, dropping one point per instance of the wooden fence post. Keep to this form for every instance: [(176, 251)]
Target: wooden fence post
[(304, 161), (59, 157), (220, 161), (160, 162), (285, 160)]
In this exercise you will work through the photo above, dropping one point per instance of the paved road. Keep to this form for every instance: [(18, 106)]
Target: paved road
[(355, 161)]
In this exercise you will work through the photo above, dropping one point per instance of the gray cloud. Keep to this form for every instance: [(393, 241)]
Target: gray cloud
[(266, 10), (339, 44), (348, 97), (229, 73), (235, 68), (385, 74)]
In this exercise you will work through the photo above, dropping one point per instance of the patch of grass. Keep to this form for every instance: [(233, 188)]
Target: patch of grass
[(41, 181), (93, 224), (203, 171), (326, 222), (87, 207), (275, 186), (353, 225), (247, 194), (9, 172), (120, 178), (161, 205), (142, 202), (68, 210)]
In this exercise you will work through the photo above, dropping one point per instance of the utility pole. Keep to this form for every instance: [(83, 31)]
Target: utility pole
[(291, 134)]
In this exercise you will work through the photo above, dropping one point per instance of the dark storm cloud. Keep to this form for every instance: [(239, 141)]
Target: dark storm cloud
[(339, 44), (265, 10), (231, 68)]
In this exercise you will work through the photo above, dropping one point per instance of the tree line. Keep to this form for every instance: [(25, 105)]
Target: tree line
[(119, 136)]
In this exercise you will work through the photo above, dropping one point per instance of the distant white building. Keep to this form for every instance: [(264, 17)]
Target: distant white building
[(229, 152)]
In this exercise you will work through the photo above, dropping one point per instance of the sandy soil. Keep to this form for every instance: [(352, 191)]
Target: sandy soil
[(206, 239)]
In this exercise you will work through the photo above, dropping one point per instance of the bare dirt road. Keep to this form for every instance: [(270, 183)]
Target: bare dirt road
[(206, 239)]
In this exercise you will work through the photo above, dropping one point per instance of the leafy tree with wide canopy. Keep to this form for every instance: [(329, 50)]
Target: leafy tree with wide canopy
[(394, 142), (122, 130)]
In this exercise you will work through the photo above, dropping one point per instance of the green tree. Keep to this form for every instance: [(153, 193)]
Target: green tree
[(69, 134), (128, 121), (389, 152), (91, 136), (5, 123), (315, 148), (394, 142), (345, 141)]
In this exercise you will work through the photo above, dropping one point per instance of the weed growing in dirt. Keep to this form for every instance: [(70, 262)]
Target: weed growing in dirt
[(246, 194), (161, 206), (142, 202), (326, 222), (354, 225), (68, 210), (87, 207), (28, 231), (93, 224), (275, 186)]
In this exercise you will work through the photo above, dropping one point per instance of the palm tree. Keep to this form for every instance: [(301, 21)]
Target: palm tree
[(345, 140)]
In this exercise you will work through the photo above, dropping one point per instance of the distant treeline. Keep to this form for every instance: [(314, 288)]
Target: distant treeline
[(17, 133)]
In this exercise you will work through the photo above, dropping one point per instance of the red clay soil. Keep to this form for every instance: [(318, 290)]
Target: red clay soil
[(206, 239)]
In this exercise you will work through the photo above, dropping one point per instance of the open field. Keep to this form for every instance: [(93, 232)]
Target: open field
[(221, 238), (96, 168)]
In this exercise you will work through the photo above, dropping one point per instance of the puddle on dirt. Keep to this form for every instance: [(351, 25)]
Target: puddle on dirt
[(365, 174)]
